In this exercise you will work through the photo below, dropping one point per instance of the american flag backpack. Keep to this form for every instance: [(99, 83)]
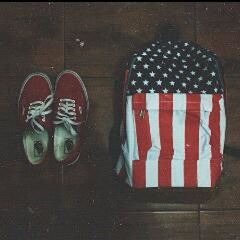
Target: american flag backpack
[(173, 126)]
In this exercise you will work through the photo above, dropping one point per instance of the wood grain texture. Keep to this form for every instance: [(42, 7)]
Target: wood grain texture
[(218, 29), (222, 225), (31, 37), (110, 31), (31, 40), (157, 225)]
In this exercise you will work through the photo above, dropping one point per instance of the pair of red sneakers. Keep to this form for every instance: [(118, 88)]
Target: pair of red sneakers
[(43, 113)]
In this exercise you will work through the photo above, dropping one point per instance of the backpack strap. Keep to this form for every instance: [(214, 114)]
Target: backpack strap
[(124, 89)]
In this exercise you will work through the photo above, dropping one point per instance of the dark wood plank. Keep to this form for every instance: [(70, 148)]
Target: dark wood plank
[(31, 40), (218, 29), (222, 225), (108, 32), (157, 225)]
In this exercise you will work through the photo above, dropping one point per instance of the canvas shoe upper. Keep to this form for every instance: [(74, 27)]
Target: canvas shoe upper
[(34, 114), (70, 113)]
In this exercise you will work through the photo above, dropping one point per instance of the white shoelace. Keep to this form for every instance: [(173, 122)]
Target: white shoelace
[(66, 115), (36, 109)]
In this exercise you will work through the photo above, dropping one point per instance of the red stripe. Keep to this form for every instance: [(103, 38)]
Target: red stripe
[(214, 125), (143, 141), (166, 139), (191, 140)]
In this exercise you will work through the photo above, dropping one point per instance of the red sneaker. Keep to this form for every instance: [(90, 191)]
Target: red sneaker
[(34, 108), (71, 107)]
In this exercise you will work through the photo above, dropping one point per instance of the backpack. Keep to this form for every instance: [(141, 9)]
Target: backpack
[(173, 121)]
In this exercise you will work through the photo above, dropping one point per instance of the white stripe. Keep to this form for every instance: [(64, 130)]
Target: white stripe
[(152, 101), (177, 176), (205, 155), (222, 123), (130, 148)]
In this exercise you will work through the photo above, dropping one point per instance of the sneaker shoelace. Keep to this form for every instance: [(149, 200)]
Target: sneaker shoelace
[(36, 109), (66, 115)]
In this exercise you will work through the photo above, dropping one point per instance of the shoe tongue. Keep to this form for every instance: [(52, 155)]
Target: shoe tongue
[(44, 122)]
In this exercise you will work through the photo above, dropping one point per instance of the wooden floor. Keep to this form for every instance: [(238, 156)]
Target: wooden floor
[(84, 201)]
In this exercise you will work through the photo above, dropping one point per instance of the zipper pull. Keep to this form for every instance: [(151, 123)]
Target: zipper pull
[(141, 114)]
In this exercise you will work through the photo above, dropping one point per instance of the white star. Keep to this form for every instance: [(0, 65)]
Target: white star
[(133, 82), (209, 82), (185, 66), (200, 78), (186, 44), (152, 74), (169, 42), (213, 74), (184, 84), (153, 44), (215, 89), (188, 78), (172, 83), (188, 55), (197, 65), (165, 90), (183, 61), (152, 90), (173, 65), (139, 59), (159, 50), (181, 71), (193, 48), (144, 54), (168, 52), (174, 58), (170, 70), (205, 69), (190, 92), (165, 56), (134, 66), (203, 91), (178, 54), (195, 86), (204, 56), (192, 72), (158, 67), (151, 59), (175, 46), (139, 74), (145, 66), (198, 52), (165, 75), (178, 91), (209, 60), (177, 76), (148, 50), (145, 82), (159, 82), (155, 55), (139, 90)]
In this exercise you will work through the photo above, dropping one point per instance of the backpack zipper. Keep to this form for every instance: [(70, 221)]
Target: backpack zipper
[(142, 113)]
